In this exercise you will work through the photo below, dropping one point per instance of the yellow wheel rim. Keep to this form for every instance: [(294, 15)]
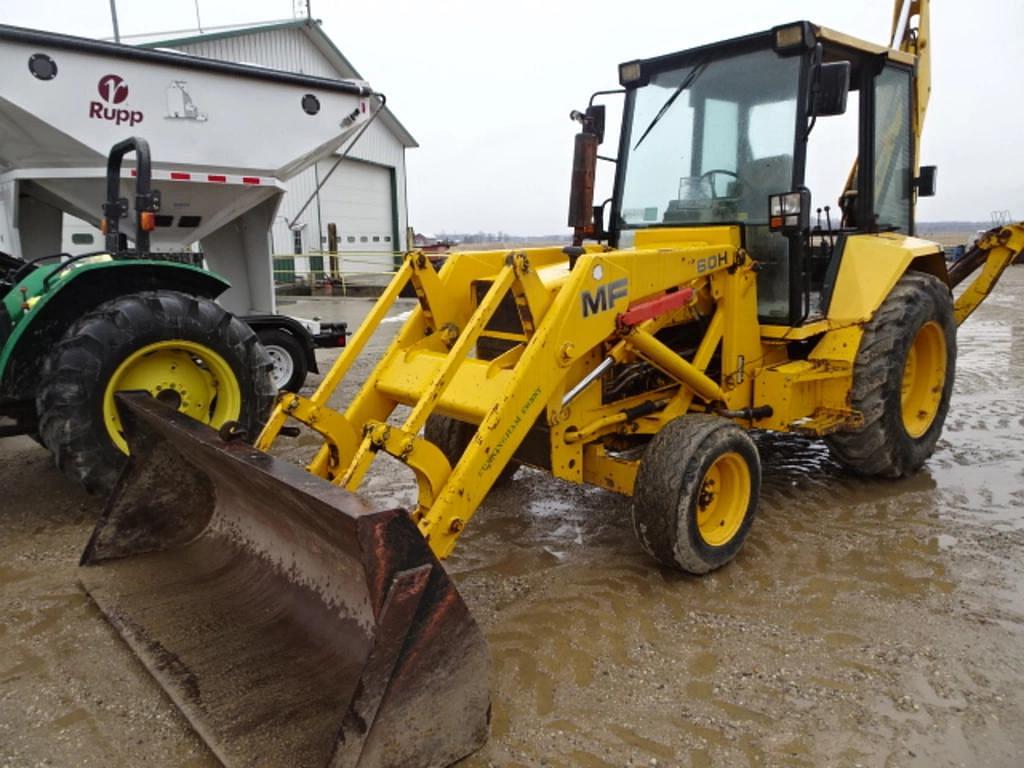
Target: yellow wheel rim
[(723, 499), (924, 376), (185, 375)]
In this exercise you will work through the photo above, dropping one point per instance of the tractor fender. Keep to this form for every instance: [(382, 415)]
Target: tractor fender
[(288, 325), (869, 266), (72, 293)]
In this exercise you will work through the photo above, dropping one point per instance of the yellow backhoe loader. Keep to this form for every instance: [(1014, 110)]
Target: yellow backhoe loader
[(293, 625)]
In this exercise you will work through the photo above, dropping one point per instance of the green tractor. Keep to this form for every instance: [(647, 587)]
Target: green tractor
[(76, 330)]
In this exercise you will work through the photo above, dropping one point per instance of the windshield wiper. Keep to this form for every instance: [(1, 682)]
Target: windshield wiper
[(689, 80)]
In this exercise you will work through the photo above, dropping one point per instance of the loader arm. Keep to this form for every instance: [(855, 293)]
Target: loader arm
[(571, 320)]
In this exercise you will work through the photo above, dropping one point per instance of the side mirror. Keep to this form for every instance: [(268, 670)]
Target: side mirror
[(831, 85), (925, 181)]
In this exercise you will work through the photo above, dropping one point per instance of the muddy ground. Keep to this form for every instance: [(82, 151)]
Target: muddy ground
[(864, 623)]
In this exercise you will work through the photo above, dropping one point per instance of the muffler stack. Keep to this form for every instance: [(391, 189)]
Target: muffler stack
[(290, 623)]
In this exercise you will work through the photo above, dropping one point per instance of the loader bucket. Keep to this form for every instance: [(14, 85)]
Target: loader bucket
[(290, 623)]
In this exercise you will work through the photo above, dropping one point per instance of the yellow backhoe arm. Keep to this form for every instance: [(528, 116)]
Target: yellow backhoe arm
[(994, 252)]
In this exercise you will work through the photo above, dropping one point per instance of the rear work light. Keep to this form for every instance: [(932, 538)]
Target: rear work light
[(630, 74)]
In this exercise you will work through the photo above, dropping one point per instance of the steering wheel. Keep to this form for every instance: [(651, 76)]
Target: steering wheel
[(710, 175)]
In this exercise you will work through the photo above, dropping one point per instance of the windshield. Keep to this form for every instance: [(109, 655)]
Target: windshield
[(710, 142)]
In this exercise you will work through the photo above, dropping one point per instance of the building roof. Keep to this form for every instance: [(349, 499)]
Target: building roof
[(313, 31)]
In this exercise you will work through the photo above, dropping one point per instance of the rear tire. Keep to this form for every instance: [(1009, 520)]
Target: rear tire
[(452, 436), (902, 380), (187, 351), (696, 493), (287, 357)]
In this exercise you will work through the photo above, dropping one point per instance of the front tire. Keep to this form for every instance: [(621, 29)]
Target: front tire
[(902, 380), (696, 493), (184, 350), (452, 436)]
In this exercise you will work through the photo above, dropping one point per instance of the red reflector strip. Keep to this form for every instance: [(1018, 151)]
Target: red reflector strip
[(652, 308), (216, 178)]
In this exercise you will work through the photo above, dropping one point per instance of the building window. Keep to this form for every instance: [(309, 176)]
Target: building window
[(376, 238), (316, 267), (363, 239), (297, 241), (387, 238), (284, 270), (82, 238), (351, 238)]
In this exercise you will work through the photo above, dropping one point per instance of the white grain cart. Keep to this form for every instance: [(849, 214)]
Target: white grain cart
[(224, 138)]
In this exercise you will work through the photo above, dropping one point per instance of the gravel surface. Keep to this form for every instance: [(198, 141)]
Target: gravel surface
[(864, 623)]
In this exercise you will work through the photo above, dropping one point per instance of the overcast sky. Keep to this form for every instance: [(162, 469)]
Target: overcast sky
[(486, 87)]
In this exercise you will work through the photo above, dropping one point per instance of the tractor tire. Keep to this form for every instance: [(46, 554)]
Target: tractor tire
[(186, 351), (696, 493), (902, 380), (287, 357), (452, 436)]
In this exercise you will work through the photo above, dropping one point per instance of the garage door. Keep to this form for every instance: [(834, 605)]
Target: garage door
[(359, 200)]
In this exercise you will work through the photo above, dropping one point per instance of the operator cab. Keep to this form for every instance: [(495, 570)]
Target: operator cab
[(719, 135)]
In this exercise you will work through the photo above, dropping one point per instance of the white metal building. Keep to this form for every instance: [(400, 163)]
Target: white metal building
[(365, 197)]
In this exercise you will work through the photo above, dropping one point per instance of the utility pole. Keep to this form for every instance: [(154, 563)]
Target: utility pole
[(113, 17)]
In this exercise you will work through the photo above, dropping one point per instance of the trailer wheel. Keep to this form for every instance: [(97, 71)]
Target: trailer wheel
[(696, 493), (902, 380), (452, 436), (188, 352), (287, 357)]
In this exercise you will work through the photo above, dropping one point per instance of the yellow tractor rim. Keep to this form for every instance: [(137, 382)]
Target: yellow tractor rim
[(723, 499), (924, 376), (183, 374)]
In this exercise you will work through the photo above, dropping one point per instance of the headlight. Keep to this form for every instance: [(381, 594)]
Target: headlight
[(789, 211)]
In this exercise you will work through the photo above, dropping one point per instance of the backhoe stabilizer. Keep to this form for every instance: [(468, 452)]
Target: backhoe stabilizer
[(289, 622)]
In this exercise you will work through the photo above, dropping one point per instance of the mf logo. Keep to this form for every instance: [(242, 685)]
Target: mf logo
[(711, 262), (604, 297), (113, 90)]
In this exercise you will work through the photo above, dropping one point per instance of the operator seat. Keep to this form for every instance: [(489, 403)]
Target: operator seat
[(765, 176)]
